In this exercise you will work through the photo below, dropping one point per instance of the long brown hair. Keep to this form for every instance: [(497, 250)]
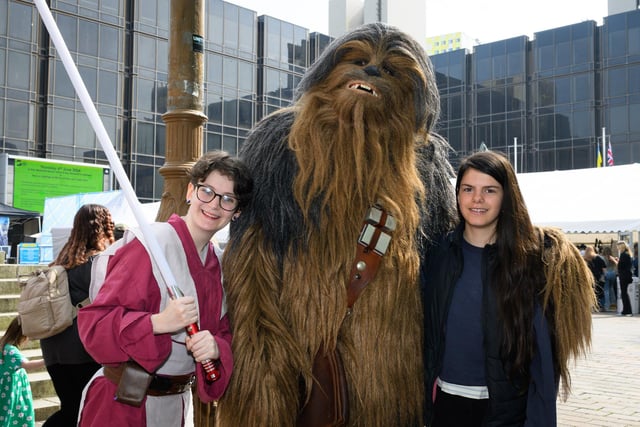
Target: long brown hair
[(517, 275), (13, 335), (92, 233)]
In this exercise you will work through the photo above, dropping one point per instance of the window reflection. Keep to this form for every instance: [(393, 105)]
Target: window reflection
[(20, 21)]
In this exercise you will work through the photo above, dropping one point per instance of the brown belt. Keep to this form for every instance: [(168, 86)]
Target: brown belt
[(161, 385)]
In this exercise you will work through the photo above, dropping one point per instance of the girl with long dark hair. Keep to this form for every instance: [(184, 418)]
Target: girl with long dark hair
[(505, 305)]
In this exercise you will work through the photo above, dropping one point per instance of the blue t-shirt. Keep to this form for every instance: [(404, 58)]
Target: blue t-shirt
[(464, 358)]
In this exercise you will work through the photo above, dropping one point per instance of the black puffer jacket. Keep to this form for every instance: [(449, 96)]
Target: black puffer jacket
[(441, 269)]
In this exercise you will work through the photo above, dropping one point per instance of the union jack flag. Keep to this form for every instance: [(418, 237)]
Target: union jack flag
[(609, 156)]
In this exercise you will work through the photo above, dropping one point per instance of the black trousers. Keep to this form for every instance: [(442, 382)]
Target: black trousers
[(456, 411), (69, 381), (626, 301)]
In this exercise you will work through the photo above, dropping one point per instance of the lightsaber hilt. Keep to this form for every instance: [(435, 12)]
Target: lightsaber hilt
[(211, 367)]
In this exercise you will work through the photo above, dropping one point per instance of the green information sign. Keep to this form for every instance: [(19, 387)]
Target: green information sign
[(35, 180)]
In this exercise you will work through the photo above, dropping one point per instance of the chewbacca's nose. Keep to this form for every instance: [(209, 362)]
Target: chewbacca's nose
[(372, 70)]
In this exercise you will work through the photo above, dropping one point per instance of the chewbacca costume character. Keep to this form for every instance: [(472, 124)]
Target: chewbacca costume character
[(359, 133)]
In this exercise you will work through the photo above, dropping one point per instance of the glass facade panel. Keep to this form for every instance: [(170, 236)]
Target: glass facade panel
[(63, 120), (3, 64), (18, 70), (633, 40), (108, 88), (20, 22), (617, 79), (634, 121), (545, 57), (145, 140), (618, 121), (231, 27), (582, 88), (616, 36), (85, 136), (246, 77), (563, 90), (581, 125), (62, 84), (109, 43), (247, 25), (230, 72), (4, 6), (2, 121), (18, 120), (146, 52), (634, 79), (88, 37), (68, 26), (563, 54)]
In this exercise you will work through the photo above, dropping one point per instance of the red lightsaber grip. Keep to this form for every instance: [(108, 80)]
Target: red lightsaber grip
[(210, 366)]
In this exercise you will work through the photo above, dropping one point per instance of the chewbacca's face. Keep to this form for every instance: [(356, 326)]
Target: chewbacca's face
[(383, 80)]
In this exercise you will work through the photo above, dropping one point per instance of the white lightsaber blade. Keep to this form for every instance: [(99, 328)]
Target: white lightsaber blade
[(210, 367), (107, 146)]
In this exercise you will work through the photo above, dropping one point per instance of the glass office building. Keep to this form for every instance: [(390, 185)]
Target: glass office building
[(547, 100), (553, 94), (252, 65)]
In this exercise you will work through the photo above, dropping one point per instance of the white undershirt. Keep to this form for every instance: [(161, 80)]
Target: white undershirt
[(468, 391)]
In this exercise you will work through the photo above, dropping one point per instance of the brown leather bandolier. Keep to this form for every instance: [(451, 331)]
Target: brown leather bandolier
[(328, 404)]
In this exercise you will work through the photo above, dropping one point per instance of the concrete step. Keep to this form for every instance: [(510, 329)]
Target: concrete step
[(45, 407), (9, 286), (8, 271), (41, 385), (9, 302), (45, 400), (5, 319)]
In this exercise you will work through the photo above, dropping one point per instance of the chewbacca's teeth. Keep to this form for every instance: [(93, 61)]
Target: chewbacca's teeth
[(361, 86)]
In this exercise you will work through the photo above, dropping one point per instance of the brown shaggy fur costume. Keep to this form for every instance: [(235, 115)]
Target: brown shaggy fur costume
[(359, 133), (570, 296)]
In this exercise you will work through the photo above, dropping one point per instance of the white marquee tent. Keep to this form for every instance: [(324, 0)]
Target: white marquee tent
[(595, 200)]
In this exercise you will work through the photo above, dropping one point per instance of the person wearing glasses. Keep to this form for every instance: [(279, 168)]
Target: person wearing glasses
[(134, 327)]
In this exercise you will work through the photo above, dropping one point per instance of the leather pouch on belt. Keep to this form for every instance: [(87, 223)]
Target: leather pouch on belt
[(133, 384)]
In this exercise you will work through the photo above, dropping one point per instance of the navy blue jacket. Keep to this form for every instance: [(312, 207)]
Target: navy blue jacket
[(517, 402)]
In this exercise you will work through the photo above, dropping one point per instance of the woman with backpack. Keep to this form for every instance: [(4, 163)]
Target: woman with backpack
[(69, 365)]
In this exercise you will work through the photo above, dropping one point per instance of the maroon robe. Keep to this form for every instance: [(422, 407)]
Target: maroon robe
[(117, 326)]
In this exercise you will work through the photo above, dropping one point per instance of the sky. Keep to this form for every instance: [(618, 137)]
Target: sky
[(487, 21)]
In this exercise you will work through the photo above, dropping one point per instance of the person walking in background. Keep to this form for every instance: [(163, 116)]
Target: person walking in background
[(69, 365), (133, 324), (598, 268), (16, 400), (634, 261), (611, 280), (623, 261), (506, 304)]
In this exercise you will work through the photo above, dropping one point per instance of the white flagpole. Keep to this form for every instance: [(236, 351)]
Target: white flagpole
[(107, 146), (604, 147), (515, 153)]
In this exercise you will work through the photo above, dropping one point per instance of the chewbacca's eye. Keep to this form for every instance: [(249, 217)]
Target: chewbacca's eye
[(388, 70), (360, 62)]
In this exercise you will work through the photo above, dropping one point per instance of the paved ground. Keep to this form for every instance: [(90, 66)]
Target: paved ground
[(606, 384)]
